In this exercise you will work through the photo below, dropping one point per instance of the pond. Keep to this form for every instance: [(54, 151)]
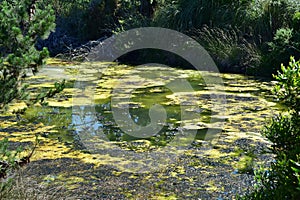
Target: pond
[(145, 132)]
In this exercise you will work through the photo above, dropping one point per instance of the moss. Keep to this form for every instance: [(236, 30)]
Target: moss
[(116, 173), (245, 164), (212, 187)]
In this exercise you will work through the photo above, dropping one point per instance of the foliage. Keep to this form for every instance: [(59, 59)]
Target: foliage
[(284, 44), (265, 17), (275, 27), (22, 23), (7, 157), (7, 164), (288, 88), (282, 180), (130, 15), (229, 49), (267, 29), (186, 14), (265, 24), (73, 17), (93, 19)]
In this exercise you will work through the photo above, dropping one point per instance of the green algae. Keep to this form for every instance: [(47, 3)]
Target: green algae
[(242, 116), (245, 164)]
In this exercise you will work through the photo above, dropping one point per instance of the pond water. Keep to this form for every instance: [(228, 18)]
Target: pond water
[(143, 119)]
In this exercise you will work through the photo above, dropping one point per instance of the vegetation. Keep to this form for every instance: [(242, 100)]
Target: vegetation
[(254, 37), (264, 31), (282, 180), (7, 164), (22, 23), (93, 19), (269, 27)]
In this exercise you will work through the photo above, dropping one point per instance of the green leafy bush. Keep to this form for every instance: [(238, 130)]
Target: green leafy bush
[(7, 164), (288, 87), (284, 44), (130, 15), (274, 26), (264, 17), (282, 180)]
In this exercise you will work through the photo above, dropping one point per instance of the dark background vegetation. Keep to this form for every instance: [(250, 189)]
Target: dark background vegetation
[(243, 36)]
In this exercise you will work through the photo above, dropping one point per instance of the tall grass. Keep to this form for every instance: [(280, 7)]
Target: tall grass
[(258, 24), (230, 50), (260, 17), (186, 14)]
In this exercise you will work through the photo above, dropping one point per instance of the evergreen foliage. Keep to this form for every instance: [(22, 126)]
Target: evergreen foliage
[(22, 23)]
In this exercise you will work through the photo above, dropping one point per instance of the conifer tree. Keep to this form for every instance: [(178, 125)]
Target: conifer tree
[(22, 23)]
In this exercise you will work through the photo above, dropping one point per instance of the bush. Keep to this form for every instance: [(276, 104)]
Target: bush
[(265, 24), (274, 25), (8, 162), (131, 14), (282, 180), (264, 17), (286, 42), (288, 87), (93, 19)]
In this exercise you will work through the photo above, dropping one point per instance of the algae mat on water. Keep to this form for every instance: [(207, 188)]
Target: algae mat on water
[(204, 148)]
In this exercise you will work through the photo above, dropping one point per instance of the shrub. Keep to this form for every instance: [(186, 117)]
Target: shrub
[(7, 164), (284, 44), (274, 25), (264, 17), (131, 14), (288, 87), (263, 23), (282, 180), (93, 19)]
